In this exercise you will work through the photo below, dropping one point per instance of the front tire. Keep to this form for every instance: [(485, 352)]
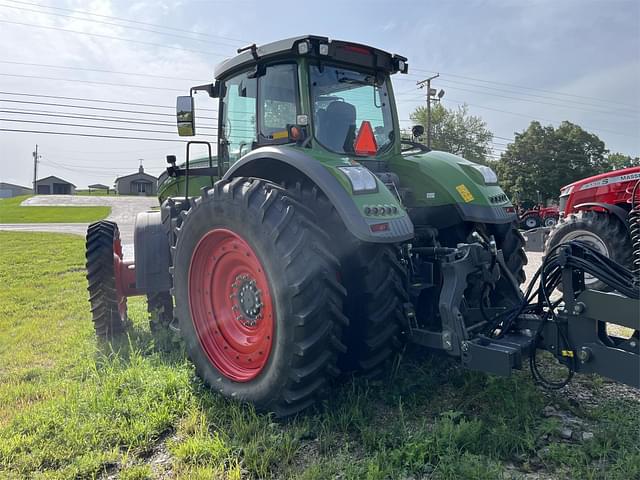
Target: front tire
[(257, 296), (604, 232), (104, 256)]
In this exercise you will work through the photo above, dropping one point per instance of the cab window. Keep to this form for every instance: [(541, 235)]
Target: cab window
[(277, 101), (238, 128)]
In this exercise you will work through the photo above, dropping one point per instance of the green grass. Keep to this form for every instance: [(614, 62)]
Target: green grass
[(95, 193), (73, 408), (12, 212)]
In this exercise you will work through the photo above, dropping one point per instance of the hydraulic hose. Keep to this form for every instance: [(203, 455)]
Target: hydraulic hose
[(634, 227)]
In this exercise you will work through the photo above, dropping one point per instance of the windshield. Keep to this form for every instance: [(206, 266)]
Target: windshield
[(342, 100)]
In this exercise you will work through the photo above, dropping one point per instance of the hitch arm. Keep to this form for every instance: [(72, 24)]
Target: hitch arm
[(592, 349)]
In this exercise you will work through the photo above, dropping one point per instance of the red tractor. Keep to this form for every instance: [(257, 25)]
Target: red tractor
[(539, 216), (595, 210)]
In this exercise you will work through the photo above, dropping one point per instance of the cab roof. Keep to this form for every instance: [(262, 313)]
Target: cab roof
[(315, 47)]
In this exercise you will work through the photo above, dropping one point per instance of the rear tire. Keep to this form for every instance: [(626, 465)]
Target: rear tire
[(511, 242), (602, 231), (376, 294), (530, 222), (279, 259), (108, 306), (376, 290)]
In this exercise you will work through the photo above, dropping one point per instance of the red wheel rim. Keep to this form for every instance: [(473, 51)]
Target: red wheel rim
[(121, 299), (231, 305)]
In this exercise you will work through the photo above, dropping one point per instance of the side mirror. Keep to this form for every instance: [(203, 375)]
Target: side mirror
[(185, 115), (417, 130)]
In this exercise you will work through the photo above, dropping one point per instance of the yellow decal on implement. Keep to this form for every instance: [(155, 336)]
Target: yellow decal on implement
[(464, 193)]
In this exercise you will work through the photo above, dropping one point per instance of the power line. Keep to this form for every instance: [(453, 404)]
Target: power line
[(111, 37), (115, 102), (524, 87), (98, 118), (104, 152), (631, 110), (137, 22), (447, 82), (539, 102), (146, 87), (86, 126), (10, 62), (85, 167), (137, 28), (91, 135), (88, 107), (76, 170), (460, 102)]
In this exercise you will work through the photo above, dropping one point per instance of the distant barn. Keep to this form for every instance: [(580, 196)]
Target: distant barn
[(137, 184), (99, 186), (8, 190), (54, 186)]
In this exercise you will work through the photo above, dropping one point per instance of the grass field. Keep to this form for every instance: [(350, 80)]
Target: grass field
[(71, 408), (12, 212), (95, 193)]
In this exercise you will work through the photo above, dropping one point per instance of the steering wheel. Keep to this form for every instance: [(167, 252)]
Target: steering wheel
[(414, 146)]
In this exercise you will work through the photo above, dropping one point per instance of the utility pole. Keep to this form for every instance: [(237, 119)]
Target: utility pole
[(36, 157), (432, 96)]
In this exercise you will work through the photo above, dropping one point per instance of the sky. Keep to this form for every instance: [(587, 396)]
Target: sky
[(511, 61)]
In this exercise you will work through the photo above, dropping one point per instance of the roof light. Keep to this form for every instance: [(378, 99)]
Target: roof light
[(324, 49), (357, 49), (400, 64), (303, 48), (365, 143)]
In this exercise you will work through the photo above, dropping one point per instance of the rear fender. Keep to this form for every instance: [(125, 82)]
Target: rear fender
[(618, 212), (278, 164), (152, 257)]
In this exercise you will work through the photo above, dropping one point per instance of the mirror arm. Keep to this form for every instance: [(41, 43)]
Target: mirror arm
[(213, 89)]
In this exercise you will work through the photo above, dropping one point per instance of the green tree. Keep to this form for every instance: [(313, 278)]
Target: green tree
[(617, 161), (455, 131), (543, 159)]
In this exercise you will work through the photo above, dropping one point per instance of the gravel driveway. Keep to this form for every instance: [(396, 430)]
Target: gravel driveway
[(123, 212)]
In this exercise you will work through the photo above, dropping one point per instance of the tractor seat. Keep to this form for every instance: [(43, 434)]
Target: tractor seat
[(336, 125)]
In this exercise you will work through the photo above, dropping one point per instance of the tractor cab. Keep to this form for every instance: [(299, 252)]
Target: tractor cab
[(327, 95)]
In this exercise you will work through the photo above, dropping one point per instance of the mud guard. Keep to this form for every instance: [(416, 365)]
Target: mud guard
[(400, 229), (151, 250), (619, 212)]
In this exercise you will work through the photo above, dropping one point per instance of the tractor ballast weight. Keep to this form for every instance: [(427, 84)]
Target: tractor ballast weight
[(318, 241)]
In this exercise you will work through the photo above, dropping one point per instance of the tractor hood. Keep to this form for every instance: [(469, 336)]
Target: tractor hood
[(603, 179), (441, 180)]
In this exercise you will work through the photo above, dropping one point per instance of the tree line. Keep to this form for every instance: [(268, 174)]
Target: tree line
[(536, 164)]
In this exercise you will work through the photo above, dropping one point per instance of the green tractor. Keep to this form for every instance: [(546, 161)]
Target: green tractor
[(318, 240)]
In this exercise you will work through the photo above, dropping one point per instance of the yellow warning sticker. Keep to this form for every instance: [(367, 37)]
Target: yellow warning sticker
[(464, 193), (280, 135)]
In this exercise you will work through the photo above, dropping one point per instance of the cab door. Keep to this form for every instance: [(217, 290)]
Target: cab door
[(256, 108)]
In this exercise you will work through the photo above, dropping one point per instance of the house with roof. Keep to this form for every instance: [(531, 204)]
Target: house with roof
[(136, 184), (8, 190), (54, 186)]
